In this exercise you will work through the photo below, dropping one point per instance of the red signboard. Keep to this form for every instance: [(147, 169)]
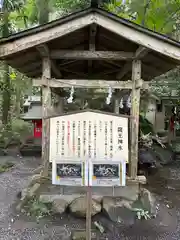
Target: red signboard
[(37, 128)]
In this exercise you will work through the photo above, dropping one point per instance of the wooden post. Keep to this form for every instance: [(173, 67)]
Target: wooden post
[(116, 105), (60, 104), (46, 105), (134, 124)]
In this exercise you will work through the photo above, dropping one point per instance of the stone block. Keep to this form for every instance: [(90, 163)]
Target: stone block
[(119, 210), (79, 207)]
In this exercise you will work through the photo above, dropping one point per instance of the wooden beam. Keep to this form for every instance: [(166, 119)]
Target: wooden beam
[(67, 83), (141, 52), (125, 69), (92, 47), (35, 37), (92, 44), (42, 35), (80, 74), (134, 124), (44, 51), (91, 55), (46, 105), (152, 40), (67, 63)]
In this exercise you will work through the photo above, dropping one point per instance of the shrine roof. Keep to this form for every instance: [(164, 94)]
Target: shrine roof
[(89, 110), (34, 113), (72, 33)]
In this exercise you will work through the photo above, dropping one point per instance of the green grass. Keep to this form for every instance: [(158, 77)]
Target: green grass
[(6, 166)]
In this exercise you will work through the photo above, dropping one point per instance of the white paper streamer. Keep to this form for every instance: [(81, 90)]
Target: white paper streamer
[(108, 99), (128, 104), (121, 103), (70, 99)]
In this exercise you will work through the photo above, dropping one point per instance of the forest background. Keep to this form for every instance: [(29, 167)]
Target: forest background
[(162, 16)]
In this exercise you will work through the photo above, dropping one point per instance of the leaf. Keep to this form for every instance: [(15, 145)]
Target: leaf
[(12, 75), (139, 215)]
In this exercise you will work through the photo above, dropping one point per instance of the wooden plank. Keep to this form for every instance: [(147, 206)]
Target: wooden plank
[(67, 83), (37, 38), (92, 44), (140, 37), (91, 55), (46, 106), (134, 122), (125, 69), (141, 52), (44, 51), (59, 104), (92, 47)]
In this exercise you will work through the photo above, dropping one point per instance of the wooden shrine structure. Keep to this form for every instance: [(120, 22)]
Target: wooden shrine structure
[(91, 49)]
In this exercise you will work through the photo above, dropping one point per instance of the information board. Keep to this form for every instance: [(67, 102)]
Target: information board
[(85, 138)]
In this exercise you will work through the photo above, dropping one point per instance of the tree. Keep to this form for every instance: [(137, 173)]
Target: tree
[(8, 7), (160, 16)]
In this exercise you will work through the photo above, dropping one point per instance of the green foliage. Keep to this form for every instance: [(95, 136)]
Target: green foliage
[(145, 126), (16, 132), (21, 127), (38, 209), (142, 214), (160, 16), (70, 6), (6, 166)]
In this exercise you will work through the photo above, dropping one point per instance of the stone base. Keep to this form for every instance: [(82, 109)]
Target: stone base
[(130, 191), (116, 202), (110, 200)]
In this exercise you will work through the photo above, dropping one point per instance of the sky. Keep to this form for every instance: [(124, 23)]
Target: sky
[(1, 3)]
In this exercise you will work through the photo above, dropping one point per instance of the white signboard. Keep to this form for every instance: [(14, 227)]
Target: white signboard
[(81, 137)]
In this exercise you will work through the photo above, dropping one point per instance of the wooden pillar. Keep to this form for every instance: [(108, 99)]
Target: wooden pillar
[(116, 105), (116, 101), (46, 105), (60, 104), (134, 122)]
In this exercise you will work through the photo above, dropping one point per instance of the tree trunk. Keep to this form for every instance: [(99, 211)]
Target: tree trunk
[(43, 11), (7, 84), (18, 102)]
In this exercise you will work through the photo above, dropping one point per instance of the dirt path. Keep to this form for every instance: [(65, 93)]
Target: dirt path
[(14, 227)]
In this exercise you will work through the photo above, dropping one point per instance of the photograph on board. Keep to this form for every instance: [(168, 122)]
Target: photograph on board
[(106, 170), (69, 170)]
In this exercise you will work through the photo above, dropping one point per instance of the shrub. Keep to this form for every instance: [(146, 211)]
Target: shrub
[(17, 131), (145, 126)]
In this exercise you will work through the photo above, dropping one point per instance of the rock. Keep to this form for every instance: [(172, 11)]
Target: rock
[(37, 178), (99, 226), (49, 198), (79, 206), (33, 189), (24, 192), (38, 170), (59, 206), (81, 235), (148, 201), (119, 210), (164, 155)]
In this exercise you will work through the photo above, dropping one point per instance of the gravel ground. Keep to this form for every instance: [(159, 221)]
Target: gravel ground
[(15, 227)]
